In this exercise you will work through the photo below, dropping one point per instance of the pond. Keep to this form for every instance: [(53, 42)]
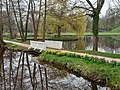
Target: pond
[(22, 71), (106, 44)]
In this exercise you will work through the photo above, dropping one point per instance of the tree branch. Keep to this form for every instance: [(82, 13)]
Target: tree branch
[(88, 1), (86, 8), (100, 4)]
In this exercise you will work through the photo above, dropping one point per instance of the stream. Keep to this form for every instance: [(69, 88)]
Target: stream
[(22, 71)]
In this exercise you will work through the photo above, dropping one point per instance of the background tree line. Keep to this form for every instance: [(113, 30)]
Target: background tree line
[(43, 16), (111, 20), (29, 16)]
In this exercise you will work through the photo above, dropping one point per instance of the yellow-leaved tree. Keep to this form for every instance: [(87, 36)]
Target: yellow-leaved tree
[(61, 19), (54, 25), (77, 20)]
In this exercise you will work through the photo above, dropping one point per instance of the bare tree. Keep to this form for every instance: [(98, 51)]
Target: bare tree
[(15, 15), (27, 19), (113, 14), (9, 19), (39, 15), (44, 28), (1, 60), (33, 17), (116, 4), (21, 21), (35, 14), (22, 15)]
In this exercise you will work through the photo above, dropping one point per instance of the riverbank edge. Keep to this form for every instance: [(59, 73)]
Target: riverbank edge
[(98, 77)]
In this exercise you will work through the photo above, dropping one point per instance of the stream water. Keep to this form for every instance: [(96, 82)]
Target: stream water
[(22, 71), (105, 44)]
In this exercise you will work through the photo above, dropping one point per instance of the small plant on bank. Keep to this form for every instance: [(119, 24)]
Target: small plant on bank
[(62, 53), (104, 54)]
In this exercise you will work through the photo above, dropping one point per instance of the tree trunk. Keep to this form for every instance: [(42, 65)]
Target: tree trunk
[(95, 29), (1, 59), (95, 43), (9, 20), (44, 28), (13, 7), (21, 22), (95, 15), (26, 24), (1, 26), (38, 20), (1, 40), (59, 31), (33, 19)]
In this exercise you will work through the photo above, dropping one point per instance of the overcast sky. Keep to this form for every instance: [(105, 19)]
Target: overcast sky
[(105, 7)]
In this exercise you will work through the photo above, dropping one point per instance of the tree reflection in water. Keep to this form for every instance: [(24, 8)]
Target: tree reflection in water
[(105, 44), (20, 71)]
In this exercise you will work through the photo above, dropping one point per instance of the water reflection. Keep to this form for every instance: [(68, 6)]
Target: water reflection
[(20, 71), (106, 44)]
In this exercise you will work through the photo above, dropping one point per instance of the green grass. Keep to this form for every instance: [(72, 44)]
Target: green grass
[(108, 34), (99, 53), (63, 38), (116, 30), (67, 33), (92, 68), (15, 47), (116, 38), (17, 40), (67, 36), (90, 34), (103, 34)]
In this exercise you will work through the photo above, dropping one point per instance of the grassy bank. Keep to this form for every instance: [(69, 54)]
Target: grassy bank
[(99, 53), (116, 38), (116, 30), (90, 34), (95, 69), (103, 34), (15, 47), (63, 38)]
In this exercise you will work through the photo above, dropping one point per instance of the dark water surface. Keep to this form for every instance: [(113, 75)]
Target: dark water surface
[(106, 44), (21, 71)]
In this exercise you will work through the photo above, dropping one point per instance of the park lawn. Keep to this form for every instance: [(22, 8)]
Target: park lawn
[(105, 54), (116, 30), (63, 38), (92, 68), (116, 37), (104, 34), (90, 34)]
